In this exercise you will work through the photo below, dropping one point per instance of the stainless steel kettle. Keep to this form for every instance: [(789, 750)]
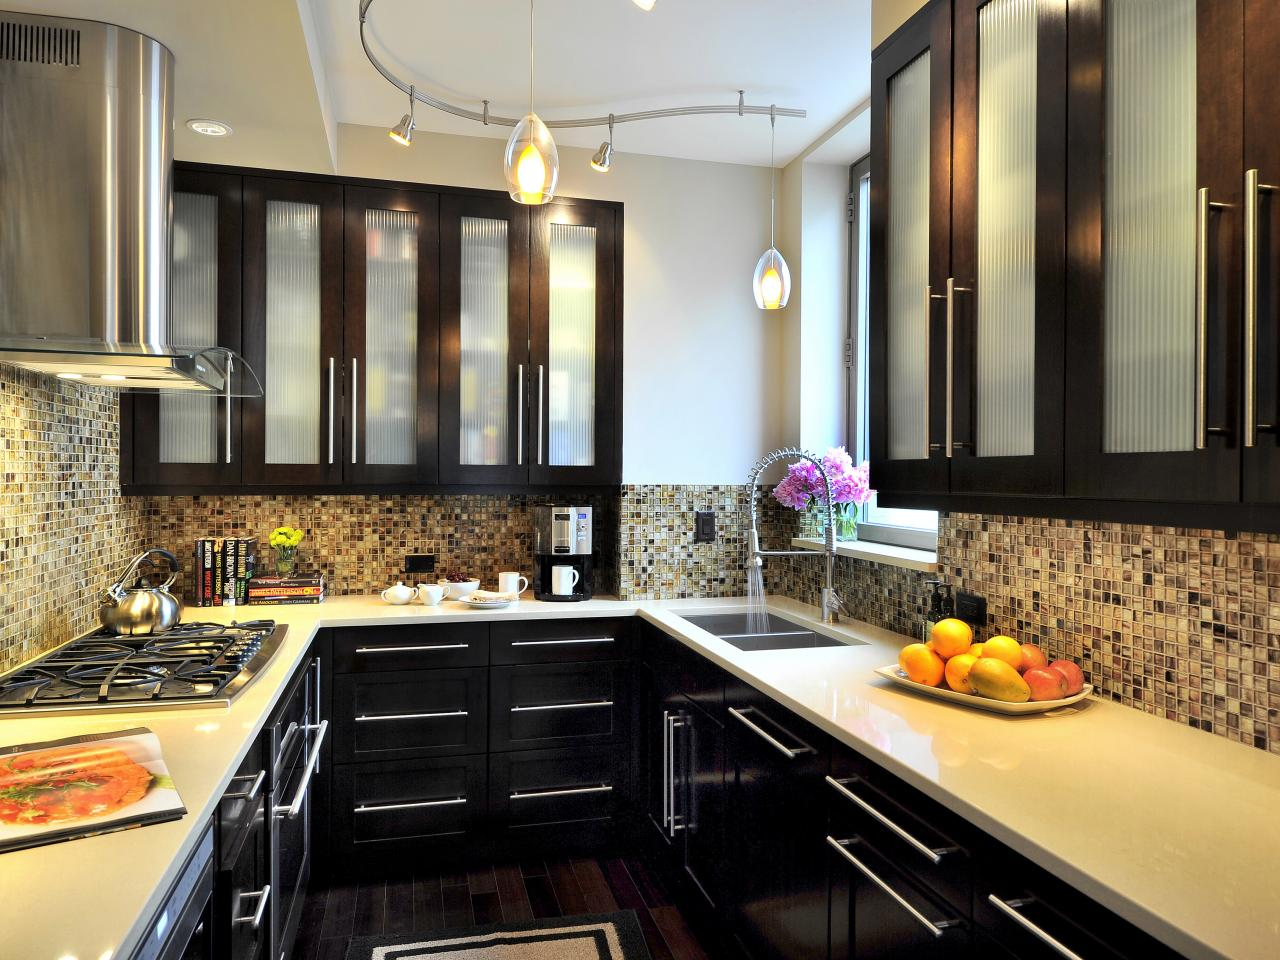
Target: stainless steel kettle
[(130, 607)]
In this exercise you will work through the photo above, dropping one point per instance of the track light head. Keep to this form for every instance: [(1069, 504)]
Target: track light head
[(603, 157), (402, 132)]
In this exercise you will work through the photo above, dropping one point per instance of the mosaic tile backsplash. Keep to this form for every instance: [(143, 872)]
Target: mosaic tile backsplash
[(65, 531)]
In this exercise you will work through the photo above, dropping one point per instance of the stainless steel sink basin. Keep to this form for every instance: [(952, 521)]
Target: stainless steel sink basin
[(779, 633)]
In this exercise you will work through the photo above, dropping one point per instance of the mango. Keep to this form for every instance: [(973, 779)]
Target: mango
[(997, 680)]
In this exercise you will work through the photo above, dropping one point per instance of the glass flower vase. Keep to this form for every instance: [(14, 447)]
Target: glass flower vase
[(847, 521), (286, 561)]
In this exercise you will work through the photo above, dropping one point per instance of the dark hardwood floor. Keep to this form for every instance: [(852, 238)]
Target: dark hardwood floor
[(494, 894)]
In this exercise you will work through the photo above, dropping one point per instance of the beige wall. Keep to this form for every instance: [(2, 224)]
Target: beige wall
[(702, 396), (888, 15)]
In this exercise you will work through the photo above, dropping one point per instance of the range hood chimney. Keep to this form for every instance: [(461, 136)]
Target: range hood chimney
[(86, 191)]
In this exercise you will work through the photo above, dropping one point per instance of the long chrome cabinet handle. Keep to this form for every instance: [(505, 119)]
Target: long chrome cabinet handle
[(414, 649), (673, 826), (563, 706), (559, 643), (1010, 909), (331, 408), (937, 929), (292, 809), (928, 399), (776, 744), (666, 768), (355, 406), (254, 787), (1253, 190), (565, 792), (414, 805), (374, 717), (255, 920), (539, 414), (520, 414), (841, 787), (952, 290), (227, 403), (1204, 206)]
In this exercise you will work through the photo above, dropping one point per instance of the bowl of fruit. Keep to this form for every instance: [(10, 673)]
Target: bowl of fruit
[(999, 674), (458, 586)]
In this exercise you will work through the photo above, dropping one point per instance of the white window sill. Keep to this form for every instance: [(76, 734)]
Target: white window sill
[(925, 561)]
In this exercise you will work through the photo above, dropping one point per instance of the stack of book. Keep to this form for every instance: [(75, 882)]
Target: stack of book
[(224, 566), (299, 588)]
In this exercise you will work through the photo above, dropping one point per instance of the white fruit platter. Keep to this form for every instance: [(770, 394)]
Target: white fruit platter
[(894, 672)]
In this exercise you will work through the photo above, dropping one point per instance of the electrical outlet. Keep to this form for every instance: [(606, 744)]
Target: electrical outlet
[(420, 563), (704, 526), (971, 608)]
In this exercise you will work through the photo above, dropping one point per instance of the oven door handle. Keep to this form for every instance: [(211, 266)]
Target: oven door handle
[(292, 810)]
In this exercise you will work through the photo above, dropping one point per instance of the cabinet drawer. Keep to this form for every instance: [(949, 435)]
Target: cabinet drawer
[(379, 805), (922, 838), (555, 705), (558, 641), (241, 799), (419, 647), (381, 716), (545, 788), (684, 669)]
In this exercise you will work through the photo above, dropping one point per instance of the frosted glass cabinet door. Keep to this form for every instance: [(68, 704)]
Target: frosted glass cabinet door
[(293, 331), (1004, 315), (1155, 189), (194, 438), (391, 336), (484, 341), (572, 293)]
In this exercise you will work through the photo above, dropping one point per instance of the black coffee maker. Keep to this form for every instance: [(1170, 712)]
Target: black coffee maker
[(562, 570)]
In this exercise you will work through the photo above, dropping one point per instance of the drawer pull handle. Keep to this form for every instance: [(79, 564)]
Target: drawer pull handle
[(563, 706), (1010, 909), (417, 649), (936, 855), (255, 920), (254, 787), (841, 847), (566, 792), (368, 718), (313, 761), (413, 805), (559, 643), (764, 735)]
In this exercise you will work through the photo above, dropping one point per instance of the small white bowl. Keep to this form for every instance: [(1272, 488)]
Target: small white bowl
[(460, 591)]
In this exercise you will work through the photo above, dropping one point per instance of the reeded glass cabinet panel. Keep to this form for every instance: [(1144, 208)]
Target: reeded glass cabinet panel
[(907, 261), (390, 372), (571, 368), (188, 423), (483, 400), (1149, 231)]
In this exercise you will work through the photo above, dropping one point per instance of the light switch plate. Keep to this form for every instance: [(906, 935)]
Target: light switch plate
[(704, 526)]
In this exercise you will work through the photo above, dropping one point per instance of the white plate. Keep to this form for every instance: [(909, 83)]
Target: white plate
[(894, 672), (487, 604)]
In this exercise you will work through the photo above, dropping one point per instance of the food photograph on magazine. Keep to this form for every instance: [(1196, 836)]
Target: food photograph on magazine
[(81, 786)]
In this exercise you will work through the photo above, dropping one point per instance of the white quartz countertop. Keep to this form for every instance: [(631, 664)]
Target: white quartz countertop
[(1172, 828)]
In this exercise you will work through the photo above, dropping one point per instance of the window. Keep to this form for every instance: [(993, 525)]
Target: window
[(907, 528)]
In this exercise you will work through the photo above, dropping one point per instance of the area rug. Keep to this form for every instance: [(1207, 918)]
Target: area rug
[(598, 936)]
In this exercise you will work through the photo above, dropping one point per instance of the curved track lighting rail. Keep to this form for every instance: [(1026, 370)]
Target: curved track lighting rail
[(741, 108)]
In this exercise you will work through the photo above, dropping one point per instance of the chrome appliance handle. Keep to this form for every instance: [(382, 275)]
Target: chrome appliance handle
[(414, 649), (254, 787), (937, 929), (1010, 909), (331, 403), (292, 810), (255, 920), (776, 744), (565, 792), (557, 643), (563, 706), (1204, 206), (539, 414), (374, 717), (841, 787), (520, 414), (413, 805), (227, 412), (355, 406), (1253, 190)]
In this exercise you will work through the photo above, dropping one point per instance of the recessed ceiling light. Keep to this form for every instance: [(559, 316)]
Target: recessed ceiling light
[(210, 128), (645, 5), (70, 376), (113, 377)]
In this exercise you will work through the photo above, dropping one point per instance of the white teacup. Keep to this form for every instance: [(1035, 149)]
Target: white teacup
[(511, 582), (399, 594), (431, 593)]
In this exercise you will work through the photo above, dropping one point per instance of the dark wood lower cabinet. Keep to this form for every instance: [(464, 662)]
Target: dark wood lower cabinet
[(567, 797), (416, 713)]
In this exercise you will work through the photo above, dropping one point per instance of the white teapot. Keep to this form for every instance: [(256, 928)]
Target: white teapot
[(399, 594)]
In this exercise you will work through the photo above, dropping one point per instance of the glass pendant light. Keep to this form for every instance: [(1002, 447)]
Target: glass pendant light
[(772, 280), (531, 162)]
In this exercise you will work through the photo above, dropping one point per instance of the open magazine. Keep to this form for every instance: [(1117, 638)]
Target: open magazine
[(82, 786)]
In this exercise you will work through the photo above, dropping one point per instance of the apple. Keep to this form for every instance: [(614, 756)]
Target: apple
[(1073, 674), (1033, 656), (1046, 683)]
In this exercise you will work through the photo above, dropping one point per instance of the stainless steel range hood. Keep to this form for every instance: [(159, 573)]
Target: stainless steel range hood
[(86, 163)]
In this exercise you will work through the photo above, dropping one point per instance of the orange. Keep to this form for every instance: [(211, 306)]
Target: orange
[(1004, 648), (976, 649), (921, 664), (950, 637), (957, 672)]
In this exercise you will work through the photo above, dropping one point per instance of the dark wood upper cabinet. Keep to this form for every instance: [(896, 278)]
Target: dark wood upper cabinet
[(573, 296), (484, 340), (194, 438), (910, 253), (293, 331), (391, 329), (1154, 190)]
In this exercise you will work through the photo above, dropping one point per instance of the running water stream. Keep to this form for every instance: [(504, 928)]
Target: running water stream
[(757, 612)]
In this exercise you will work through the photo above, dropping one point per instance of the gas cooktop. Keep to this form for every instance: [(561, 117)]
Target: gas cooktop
[(192, 665)]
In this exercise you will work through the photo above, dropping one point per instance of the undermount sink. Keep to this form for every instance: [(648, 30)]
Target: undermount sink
[(778, 633)]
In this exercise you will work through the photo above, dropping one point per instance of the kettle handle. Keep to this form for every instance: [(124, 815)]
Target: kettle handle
[(117, 588)]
